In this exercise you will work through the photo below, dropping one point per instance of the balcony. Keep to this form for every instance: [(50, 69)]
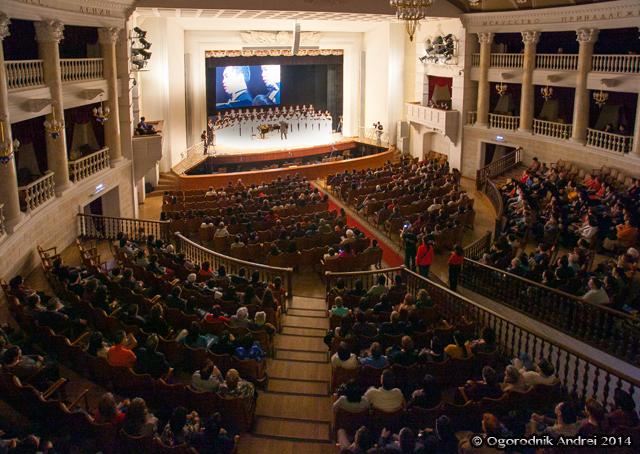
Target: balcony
[(609, 142), (147, 151), (616, 64), (37, 193), (444, 121), (88, 165), (552, 129), (24, 74), (508, 122)]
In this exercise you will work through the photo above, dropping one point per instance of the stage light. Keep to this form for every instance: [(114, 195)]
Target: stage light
[(140, 64), (437, 40), (448, 37), (146, 44), (141, 33), (145, 55), (429, 49)]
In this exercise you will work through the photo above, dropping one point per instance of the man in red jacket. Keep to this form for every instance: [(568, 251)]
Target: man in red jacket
[(424, 258)]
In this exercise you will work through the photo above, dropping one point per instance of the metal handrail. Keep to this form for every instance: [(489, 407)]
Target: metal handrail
[(498, 167)]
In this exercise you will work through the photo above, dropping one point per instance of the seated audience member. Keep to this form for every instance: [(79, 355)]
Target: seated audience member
[(234, 386), (477, 390), (596, 293), (363, 328), (364, 442), (260, 324), (487, 342), (393, 327), (138, 422), (387, 397), (344, 358), (120, 353), (543, 374), (180, 427), (380, 288), (131, 317), (407, 356), (278, 291), (436, 353), (461, 348), (383, 306), (513, 380), (352, 399), (566, 423), (108, 412), (403, 443), (213, 438), (375, 358), (338, 308), (192, 338), (149, 361), (156, 322), (428, 395), (268, 300), (424, 300), (174, 301), (408, 303), (241, 318), (594, 423), (443, 440), (208, 378), (347, 251), (358, 291), (250, 297), (97, 346), (624, 413), (340, 289), (491, 427), (398, 285)]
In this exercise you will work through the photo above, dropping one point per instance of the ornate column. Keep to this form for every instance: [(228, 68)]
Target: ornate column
[(636, 132), (48, 35), (485, 40), (587, 38), (108, 38), (530, 40), (8, 178)]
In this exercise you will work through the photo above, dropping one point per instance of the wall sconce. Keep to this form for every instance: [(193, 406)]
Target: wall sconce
[(7, 149), (501, 87), (601, 97), (100, 113), (53, 127), (546, 92)]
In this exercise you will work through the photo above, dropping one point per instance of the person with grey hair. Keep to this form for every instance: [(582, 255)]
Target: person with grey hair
[(513, 380), (260, 324), (241, 318), (221, 231)]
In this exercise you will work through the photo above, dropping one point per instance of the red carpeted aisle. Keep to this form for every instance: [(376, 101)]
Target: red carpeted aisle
[(389, 256)]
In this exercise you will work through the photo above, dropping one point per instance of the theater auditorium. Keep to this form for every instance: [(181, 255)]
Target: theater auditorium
[(303, 226)]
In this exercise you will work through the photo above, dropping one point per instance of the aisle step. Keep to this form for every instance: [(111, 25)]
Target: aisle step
[(311, 344), (292, 429), (300, 371), (295, 407), (302, 302), (265, 445), (302, 356), (307, 313), (319, 388), (306, 322), (303, 332)]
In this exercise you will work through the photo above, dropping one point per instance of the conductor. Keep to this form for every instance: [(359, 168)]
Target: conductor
[(284, 127)]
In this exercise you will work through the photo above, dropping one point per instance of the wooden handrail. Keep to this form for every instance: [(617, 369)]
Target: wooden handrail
[(581, 374), (595, 324), (493, 194), (198, 254), (98, 227), (498, 167), (480, 246)]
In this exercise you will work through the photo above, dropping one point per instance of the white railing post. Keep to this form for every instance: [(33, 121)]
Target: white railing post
[(508, 122), (610, 142), (37, 193), (75, 69), (552, 129), (475, 59), (89, 165), (472, 116), (24, 74)]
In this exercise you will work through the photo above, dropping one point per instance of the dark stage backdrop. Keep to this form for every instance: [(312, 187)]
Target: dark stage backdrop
[(304, 80)]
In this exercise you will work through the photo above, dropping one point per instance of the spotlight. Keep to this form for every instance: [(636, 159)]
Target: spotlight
[(146, 44), (141, 33), (429, 49), (423, 58), (140, 64), (145, 55), (437, 40), (448, 37)]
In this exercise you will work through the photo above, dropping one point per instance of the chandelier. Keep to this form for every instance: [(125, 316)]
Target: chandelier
[(7, 148), (501, 87), (100, 113), (546, 92), (411, 12), (601, 97), (53, 127)]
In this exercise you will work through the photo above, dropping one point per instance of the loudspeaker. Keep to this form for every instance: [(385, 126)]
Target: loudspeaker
[(403, 144), (403, 129), (296, 38)]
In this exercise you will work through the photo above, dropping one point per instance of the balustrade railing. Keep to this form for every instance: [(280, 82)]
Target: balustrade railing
[(89, 165), (199, 254), (608, 141), (565, 62), (627, 64), (94, 227), (24, 74), (606, 329), (508, 122), (372, 134), (493, 194), (479, 247), (583, 376), (506, 60), (552, 129), (472, 117), (507, 162), (75, 69), (475, 59), (2, 230), (189, 153), (37, 193)]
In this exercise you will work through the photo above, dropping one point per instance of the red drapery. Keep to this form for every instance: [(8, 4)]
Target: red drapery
[(441, 82), (83, 115)]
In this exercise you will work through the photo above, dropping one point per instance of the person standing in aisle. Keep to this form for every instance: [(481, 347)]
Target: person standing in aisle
[(425, 257), (455, 266)]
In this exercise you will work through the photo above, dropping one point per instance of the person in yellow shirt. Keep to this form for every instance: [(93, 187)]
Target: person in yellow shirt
[(461, 349)]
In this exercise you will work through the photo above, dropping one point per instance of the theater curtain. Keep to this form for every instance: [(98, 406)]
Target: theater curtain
[(32, 131), (440, 82), (82, 115)]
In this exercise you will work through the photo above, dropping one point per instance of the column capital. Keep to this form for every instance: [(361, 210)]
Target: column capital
[(530, 36), (108, 35), (587, 35), (4, 26), (485, 37), (49, 31)]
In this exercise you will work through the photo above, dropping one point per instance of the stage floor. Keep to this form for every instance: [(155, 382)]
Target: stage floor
[(270, 144)]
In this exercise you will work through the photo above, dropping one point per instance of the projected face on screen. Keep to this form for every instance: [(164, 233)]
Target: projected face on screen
[(244, 86)]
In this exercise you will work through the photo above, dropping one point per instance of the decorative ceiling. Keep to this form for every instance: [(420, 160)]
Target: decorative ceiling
[(485, 6)]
